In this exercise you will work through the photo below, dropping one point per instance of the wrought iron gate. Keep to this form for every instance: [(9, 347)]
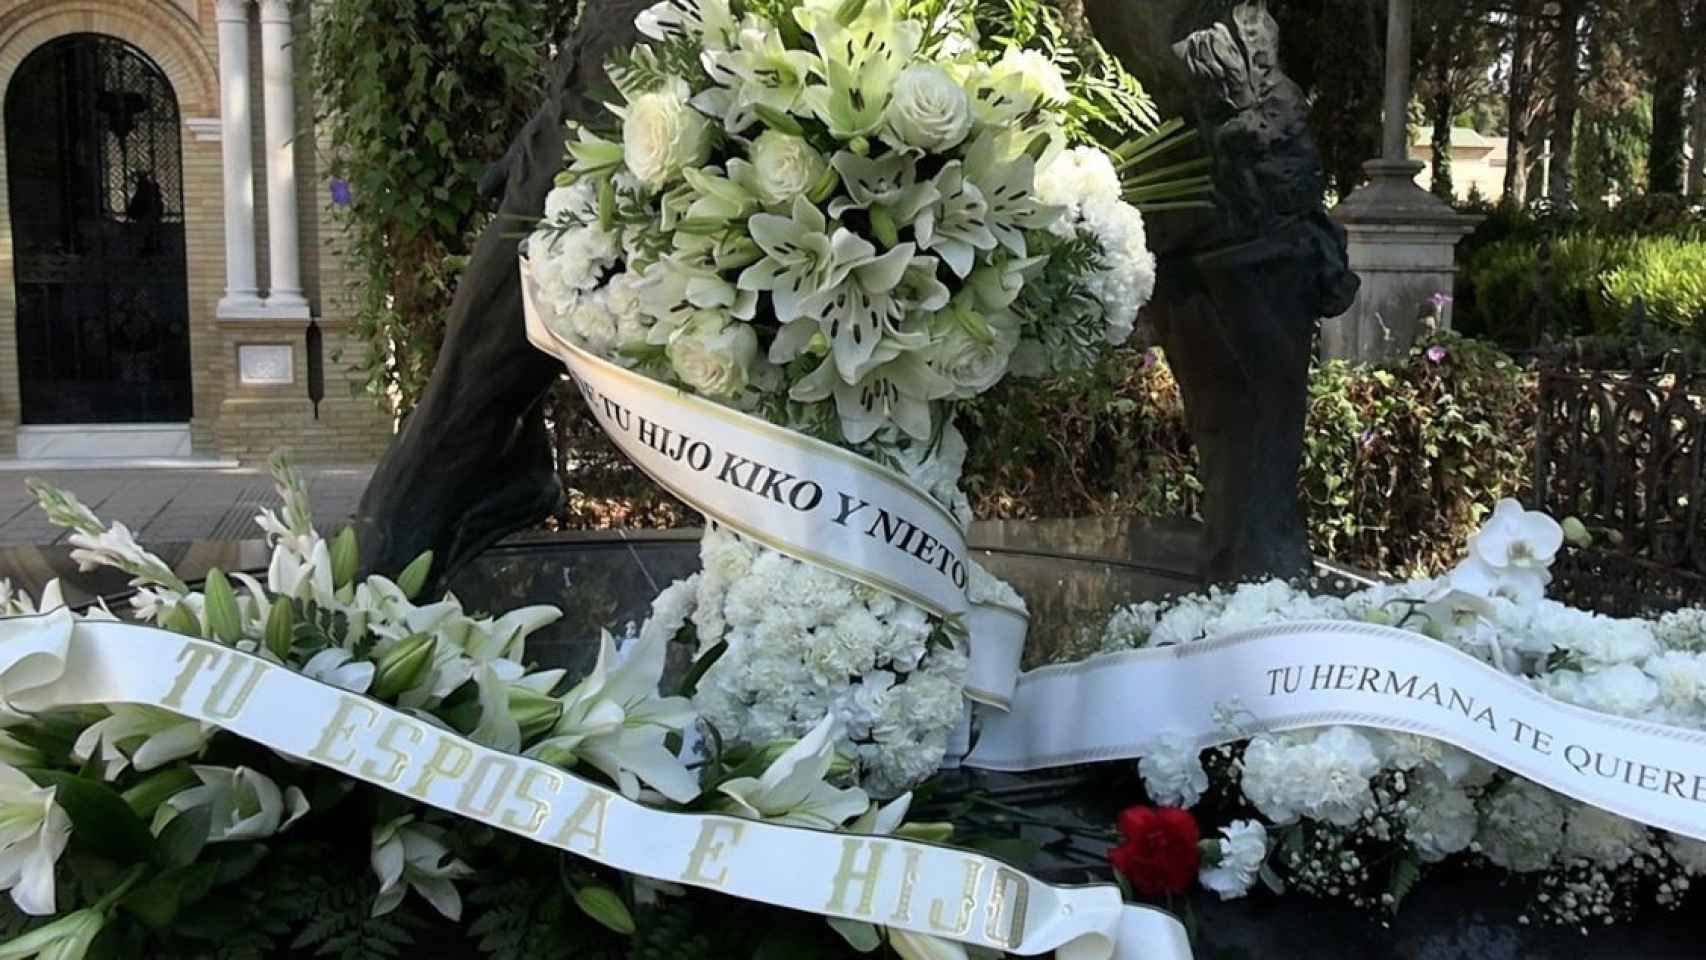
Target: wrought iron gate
[(95, 174)]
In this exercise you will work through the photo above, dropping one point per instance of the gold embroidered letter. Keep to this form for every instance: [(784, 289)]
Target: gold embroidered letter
[(339, 727), (399, 759), (541, 808), (908, 881), (867, 878), (200, 657), (449, 759), (222, 688), (968, 903), (467, 802), (592, 808), (708, 849), (1009, 887)]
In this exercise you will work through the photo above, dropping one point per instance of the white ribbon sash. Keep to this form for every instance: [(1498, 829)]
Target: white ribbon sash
[(1311, 674), (55, 661), (800, 496)]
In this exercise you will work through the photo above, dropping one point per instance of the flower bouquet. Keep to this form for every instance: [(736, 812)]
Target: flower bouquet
[(843, 218)]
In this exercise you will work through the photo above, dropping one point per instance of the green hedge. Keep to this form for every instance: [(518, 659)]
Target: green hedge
[(1401, 462), (1526, 276)]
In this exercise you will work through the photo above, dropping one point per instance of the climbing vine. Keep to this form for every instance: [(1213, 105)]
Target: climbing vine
[(416, 98)]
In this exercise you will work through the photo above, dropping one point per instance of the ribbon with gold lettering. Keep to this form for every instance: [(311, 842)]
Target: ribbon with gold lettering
[(811, 500), (1288, 676), (55, 660)]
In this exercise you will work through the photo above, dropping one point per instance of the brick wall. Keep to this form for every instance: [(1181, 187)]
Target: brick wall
[(232, 419)]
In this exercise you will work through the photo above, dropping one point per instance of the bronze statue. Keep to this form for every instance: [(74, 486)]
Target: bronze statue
[(1241, 289)]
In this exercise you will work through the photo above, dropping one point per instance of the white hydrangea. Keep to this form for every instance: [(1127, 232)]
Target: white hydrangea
[(1172, 771), (1603, 837), (1522, 827), (1323, 775)]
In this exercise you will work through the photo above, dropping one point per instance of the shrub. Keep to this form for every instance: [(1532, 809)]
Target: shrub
[(1668, 276)]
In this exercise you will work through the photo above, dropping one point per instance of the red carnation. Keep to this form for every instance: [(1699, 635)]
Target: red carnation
[(1159, 855)]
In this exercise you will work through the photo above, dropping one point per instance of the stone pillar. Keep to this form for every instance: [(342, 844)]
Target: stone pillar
[(278, 72), (1403, 239), (242, 298)]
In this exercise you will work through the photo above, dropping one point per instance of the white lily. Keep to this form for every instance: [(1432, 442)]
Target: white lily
[(33, 833), (303, 577), (413, 855), (245, 804), (504, 686), (792, 790), (923, 946), (338, 667), (615, 720), (147, 737)]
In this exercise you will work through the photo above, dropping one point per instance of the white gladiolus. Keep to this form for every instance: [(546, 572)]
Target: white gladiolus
[(785, 166), (929, 110), (33, 833), (662, 133)]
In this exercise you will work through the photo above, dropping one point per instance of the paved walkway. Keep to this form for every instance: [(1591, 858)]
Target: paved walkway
[(174, 506)]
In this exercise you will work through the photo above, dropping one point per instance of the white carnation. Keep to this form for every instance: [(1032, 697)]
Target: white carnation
[(1243, 847), (1172, 771), (1681, 677), (1323, 776), (1689, 853), (1602, 837), (1072, 178), (1522, 827), (1127, 280), (1439, 819)]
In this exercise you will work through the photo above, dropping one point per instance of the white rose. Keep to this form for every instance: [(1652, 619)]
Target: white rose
[(929, 110), (786, 165), (975, 364), (714, 360), (1039, 75), (662, 133)]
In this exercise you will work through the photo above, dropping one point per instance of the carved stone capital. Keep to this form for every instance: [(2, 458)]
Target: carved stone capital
[(229, 10)]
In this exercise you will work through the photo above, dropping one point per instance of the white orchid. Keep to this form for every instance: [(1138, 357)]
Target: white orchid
[(143, 736), (244, 804), (792, 789), (409, 855), (1510, 555), (615, 721), (33, 833)]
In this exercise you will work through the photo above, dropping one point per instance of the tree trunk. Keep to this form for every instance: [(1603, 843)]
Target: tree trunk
[(1696, 183), (1670, 102), (1516, 117), (1565, 80), (1444, 113)]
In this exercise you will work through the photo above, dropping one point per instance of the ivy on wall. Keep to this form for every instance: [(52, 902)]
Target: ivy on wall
[(416, 99)]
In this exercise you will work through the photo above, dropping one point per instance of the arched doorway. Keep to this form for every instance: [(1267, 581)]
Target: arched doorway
[(95, 175)]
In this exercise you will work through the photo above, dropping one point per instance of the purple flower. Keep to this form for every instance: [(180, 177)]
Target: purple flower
[(1367, 439), (341, 194), (1440, 300), (1437, 353), (1150, 358)]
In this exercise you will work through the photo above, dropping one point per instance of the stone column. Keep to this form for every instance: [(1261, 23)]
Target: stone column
[(242, 298), (278, 73), (1403, 239)]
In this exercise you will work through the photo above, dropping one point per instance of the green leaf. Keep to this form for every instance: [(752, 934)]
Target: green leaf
[(1405, 872), (100, 819), (146, 795), (157, 902), (690, 683), (184, 836), (222, 616)]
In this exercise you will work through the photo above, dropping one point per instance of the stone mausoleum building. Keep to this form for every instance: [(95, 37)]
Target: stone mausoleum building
[(170, 283)]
